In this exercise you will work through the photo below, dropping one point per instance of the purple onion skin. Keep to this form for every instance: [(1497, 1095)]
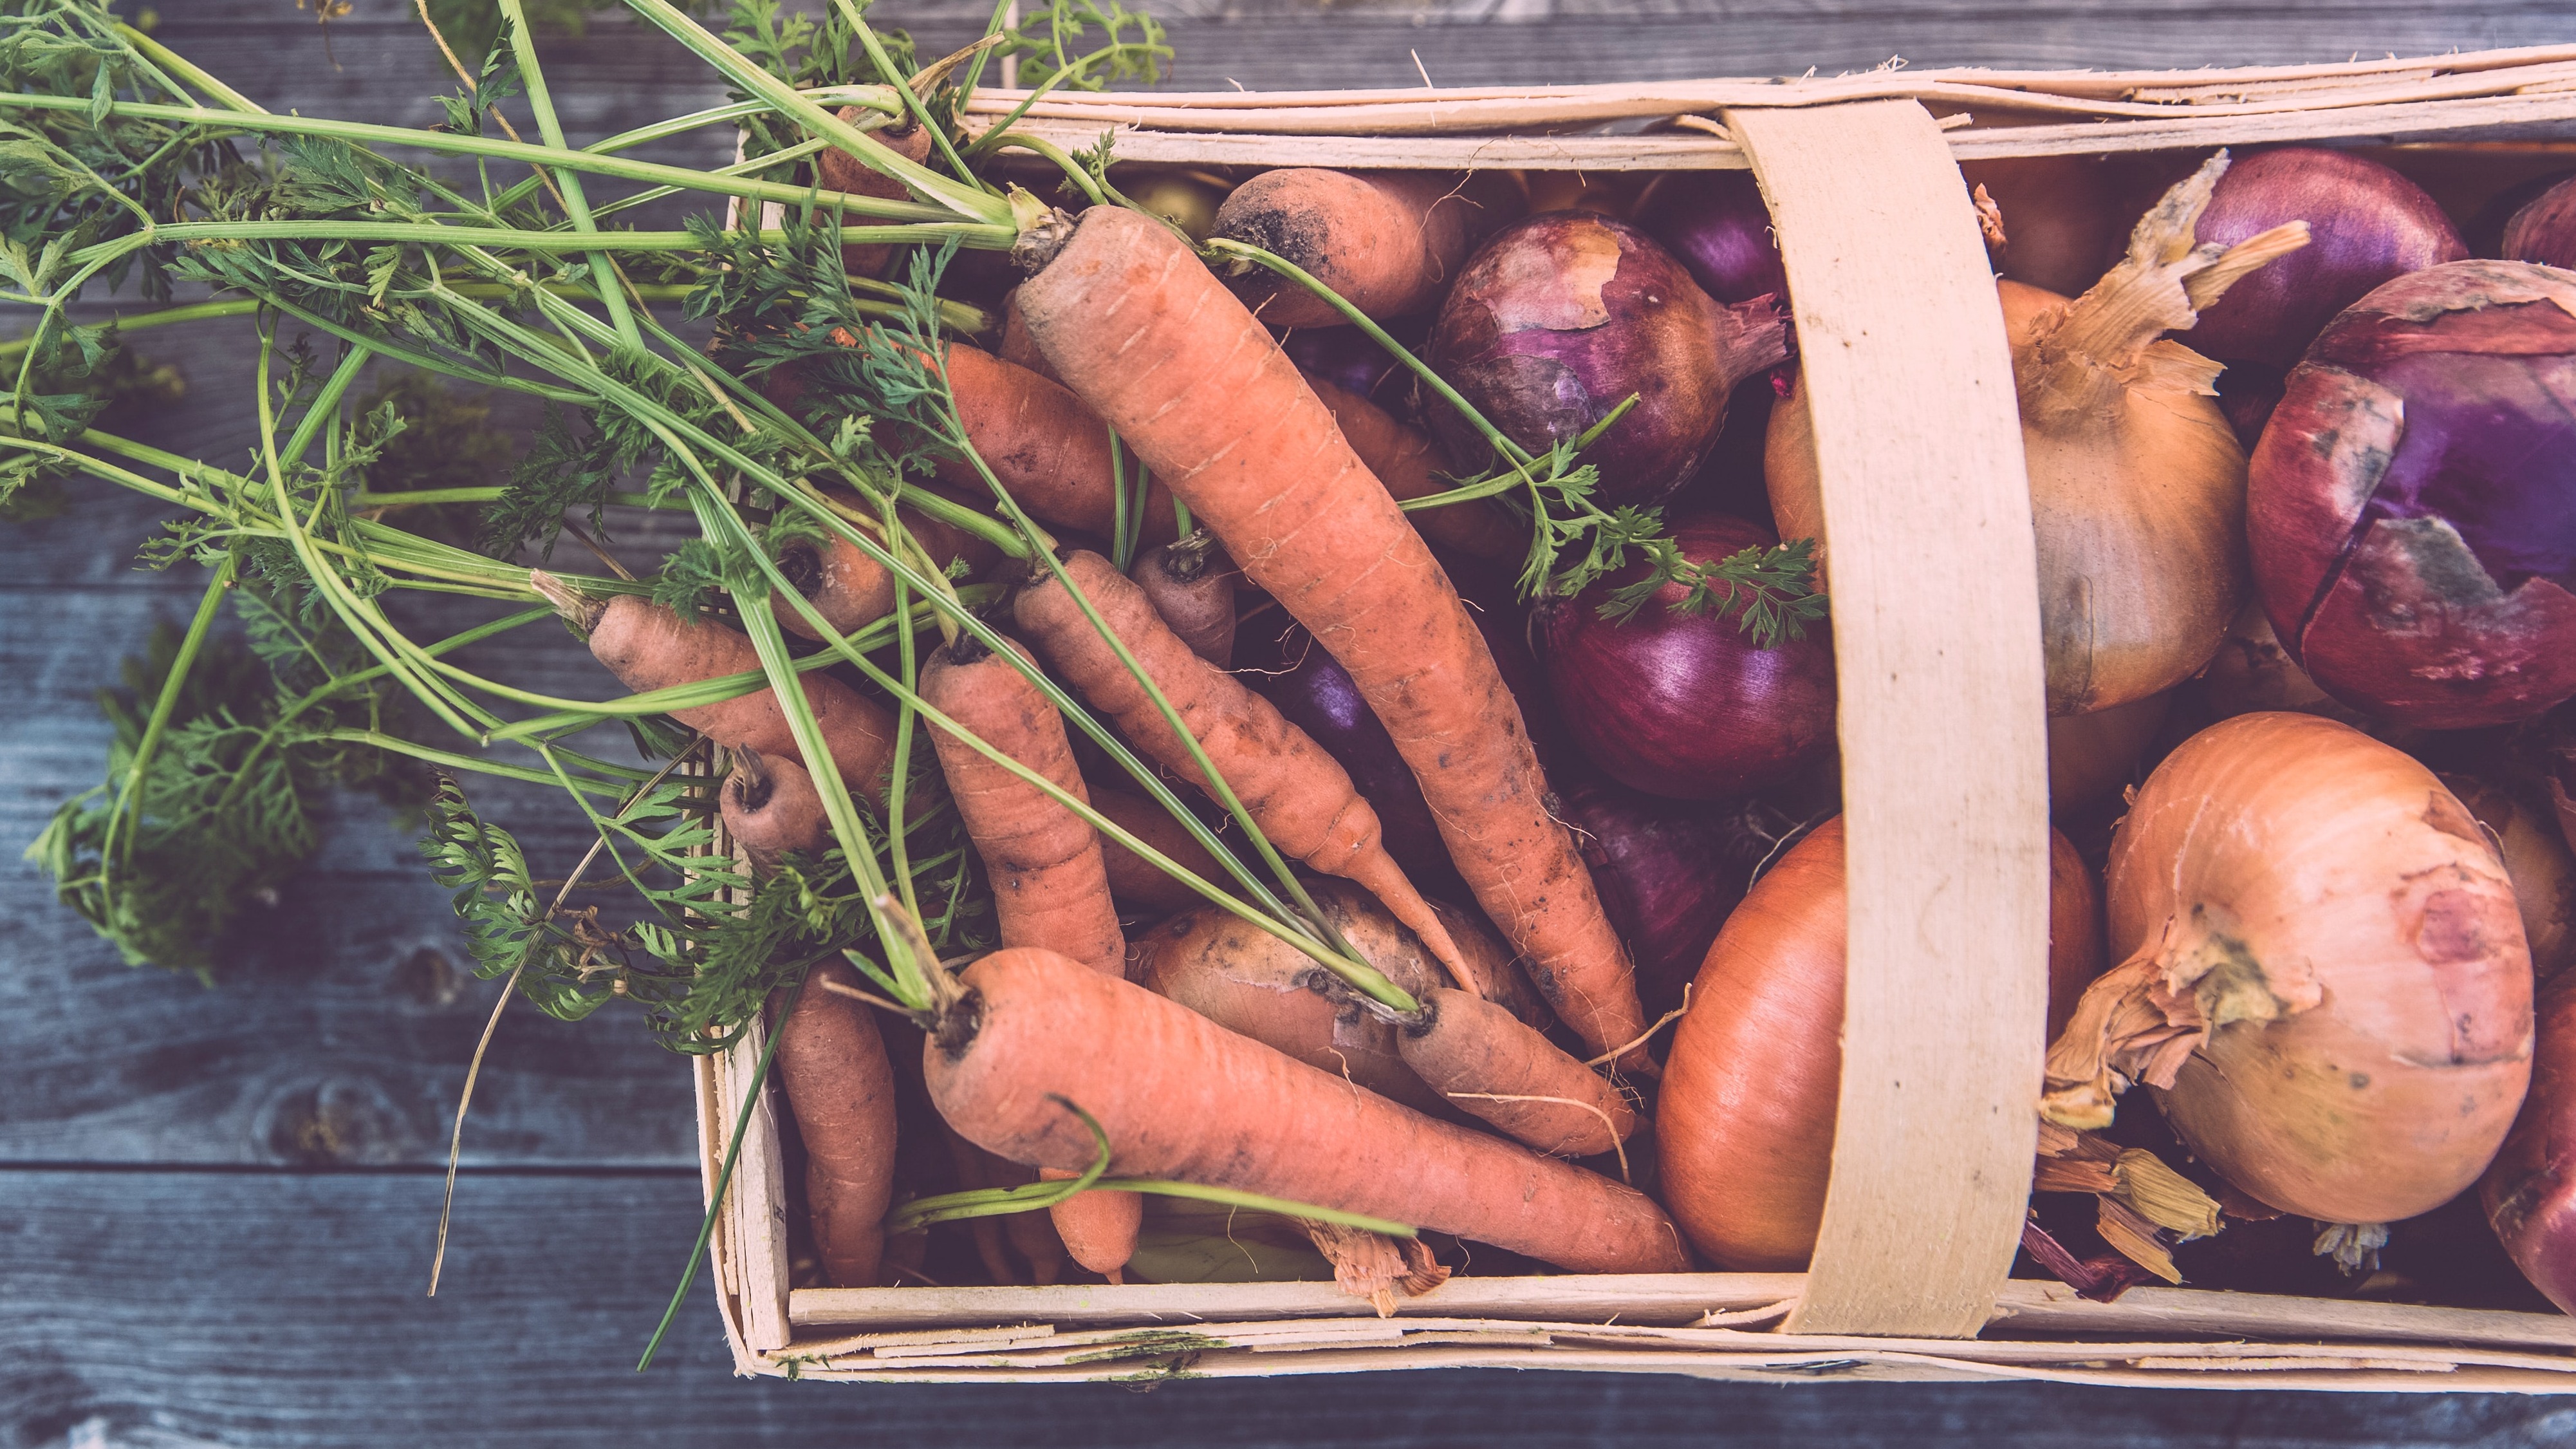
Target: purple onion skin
[(1716, 223), (1318, 696), (1352, 361), (1565, 314), (2247, 393), (1668, 874), (2530, 1189), (2366, 225), (2545, 230), (1683, 706), (2411, 509)]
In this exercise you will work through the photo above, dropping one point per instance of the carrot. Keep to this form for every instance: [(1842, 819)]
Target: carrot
[(1016, 346), (840, 171), (1153, 341), (1405, 460), (1181, 1097), (1467, 1046), (1049, 886), (1300, 796), (1033, 1237), (1254, 984), (1190, 583), (850, 589), (833, 1065), (649, 647), (1135, 883), (1388, 241), (1491, 972), (1048, 449), (1050, 882), (770, 807)]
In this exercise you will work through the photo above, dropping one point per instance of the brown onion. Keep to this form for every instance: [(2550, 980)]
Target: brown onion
[(2530, 1189), (2137, 482), (2325, 977), (2537, 861), (2091, 756), (1750, 1094)]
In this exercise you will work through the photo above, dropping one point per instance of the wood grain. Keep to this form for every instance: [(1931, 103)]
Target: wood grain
[(1906, 371), (257, 1310)]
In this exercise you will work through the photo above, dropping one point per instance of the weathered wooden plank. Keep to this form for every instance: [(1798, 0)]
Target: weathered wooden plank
[(259, 1310)]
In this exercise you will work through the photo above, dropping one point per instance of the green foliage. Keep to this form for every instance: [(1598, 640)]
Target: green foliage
[(561, 471), (1575, 544), (1131, 46), (715, 945), (93, 382), (805, 51), (224, 809)]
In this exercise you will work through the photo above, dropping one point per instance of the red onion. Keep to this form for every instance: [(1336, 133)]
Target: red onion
[(2412, 507), (2545, 230), (2366, 224), (2061, 224), (1685, 706), (1668, 874), (1352, 360), (1716, 224), (2530, 1189), (1564, 316)]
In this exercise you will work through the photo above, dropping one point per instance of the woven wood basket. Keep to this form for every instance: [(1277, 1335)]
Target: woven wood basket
[(1936, 634)]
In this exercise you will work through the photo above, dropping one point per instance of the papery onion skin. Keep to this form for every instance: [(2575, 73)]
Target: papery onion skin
[(2538, 863), (2412, 506), (1752, 1089), (2545, 230), (2345, 923), (2367, 225), (1686, 706), (1564, 316), (2530, 1189)]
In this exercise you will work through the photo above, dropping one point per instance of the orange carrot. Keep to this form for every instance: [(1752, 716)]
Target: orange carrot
[(1181, 1097), (1133, 882), (1158, 347), (845, 173), (1301, 797), (770, 807), (1478, 1055), (1048, 449), (1388, 241), (1050, 882), (1405, 460), (1190, 583), (832, 1063), (850, 589), (1049, 886), (649, 647), (1016, 347)]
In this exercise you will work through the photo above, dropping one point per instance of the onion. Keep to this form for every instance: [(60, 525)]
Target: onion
[(2251, 672), (2324, 973), (2537, 861), (2530, 1189), (2544, 230), (1749, 1098), (1668, 874), (2412, 508), (1353, 361), (2061, 225), (1686, 706), (2137, 485), (2367, 224), (2091, 756), (1186, 199), (1565, 315), (1716, 224)]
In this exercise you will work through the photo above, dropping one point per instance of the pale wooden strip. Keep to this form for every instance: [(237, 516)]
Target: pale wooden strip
[(2026, 1306), (862, 1342), (1435, 112), (1639, 1297), (2276, 1365), (1934, 577), (2233, 88), (2425, 120)]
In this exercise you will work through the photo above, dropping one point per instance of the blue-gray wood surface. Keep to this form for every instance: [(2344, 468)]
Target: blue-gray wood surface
[(216, 1207)]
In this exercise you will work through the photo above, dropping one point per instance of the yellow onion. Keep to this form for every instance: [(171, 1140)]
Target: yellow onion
[(2323, 973), (1746, 1134), (2137, 482), (2536, 859), (2092, 756)]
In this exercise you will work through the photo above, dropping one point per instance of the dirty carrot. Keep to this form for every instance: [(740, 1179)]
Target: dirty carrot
[(840, 1086)]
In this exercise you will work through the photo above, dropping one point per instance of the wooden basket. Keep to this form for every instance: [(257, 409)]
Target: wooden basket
[(1936, 636)]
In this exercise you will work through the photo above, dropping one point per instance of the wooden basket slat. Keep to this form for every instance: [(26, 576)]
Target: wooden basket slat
[(2039, 1330)]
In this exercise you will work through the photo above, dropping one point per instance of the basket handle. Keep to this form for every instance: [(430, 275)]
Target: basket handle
[(1935, 586)]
